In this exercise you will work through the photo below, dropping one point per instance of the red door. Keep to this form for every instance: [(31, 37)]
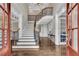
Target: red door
[(5, 28), (72, 29)]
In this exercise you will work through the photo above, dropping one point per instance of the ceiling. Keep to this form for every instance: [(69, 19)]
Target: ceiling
[(35, 8)]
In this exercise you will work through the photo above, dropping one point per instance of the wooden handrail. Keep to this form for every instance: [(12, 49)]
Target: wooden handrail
[(42, 11), (45, 9)]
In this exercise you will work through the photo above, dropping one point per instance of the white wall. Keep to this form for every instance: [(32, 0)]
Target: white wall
[(57, 10), (22, 11), (51, 28), (57, 7), (57, 30), (54, 25), (43, 32)]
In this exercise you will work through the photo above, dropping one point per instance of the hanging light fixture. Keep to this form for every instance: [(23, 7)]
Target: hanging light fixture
[(38, 4)]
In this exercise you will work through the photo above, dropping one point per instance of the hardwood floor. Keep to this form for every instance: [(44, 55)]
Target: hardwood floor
[(47, 48)]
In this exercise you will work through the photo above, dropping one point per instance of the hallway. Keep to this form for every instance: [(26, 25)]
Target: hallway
[(47, 48), (49, 30)]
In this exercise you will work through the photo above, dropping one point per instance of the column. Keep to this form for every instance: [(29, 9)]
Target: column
[(57, 30), (20, 26)]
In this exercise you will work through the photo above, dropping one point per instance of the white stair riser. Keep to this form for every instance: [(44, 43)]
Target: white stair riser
[(26, 43), (28, 37), (26, 40), (25, 46)]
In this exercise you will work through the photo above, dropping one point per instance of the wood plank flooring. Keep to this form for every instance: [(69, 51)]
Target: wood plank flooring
[(47, 48)]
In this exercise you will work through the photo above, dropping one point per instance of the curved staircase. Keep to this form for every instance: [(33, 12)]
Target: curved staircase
[(27, 40), (30, 37)]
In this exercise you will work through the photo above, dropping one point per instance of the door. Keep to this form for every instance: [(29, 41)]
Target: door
[(72, 23), (5, 29)]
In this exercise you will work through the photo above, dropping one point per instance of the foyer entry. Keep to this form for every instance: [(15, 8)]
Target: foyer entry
[(47, 48)]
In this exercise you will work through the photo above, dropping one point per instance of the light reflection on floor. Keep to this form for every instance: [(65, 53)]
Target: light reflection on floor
[(47, 48)]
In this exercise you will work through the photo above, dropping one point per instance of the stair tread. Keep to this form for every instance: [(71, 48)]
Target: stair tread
[(25, 46)]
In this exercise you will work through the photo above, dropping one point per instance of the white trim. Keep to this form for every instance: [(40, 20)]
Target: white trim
[(57, 30), (62, 11), (20, 26)]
